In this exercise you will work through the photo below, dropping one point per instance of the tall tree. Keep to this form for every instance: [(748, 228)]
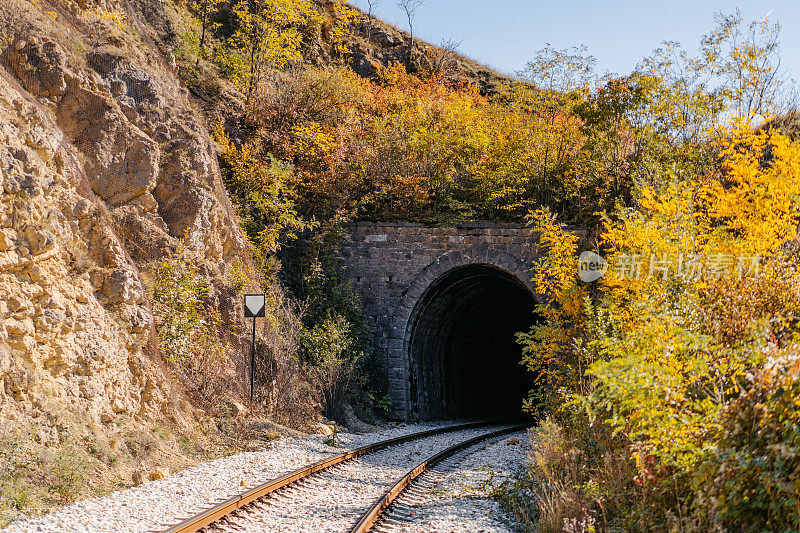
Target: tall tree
[(410, 7), (205, 9), (268, 34), (747, 60)]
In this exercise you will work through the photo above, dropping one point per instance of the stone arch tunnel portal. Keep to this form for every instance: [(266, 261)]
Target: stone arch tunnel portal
[(463, 357), (444, 304)]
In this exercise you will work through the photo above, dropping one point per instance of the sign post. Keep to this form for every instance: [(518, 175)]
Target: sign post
[(254, 306)]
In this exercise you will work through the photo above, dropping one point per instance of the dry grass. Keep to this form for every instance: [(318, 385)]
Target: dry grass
[(39, 475), (560, 489), (36, 477)]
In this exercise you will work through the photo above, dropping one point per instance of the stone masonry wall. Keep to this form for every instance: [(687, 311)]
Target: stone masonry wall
[(392, 265)]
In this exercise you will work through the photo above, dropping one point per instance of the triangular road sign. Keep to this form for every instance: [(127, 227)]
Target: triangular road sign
[(254, 305)]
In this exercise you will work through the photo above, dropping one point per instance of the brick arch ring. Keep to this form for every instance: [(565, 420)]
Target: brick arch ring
[(400, 332)]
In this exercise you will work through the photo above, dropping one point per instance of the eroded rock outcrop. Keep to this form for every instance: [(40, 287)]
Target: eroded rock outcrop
[(105, 164), (146, 151), (73, 317), (373, 45)]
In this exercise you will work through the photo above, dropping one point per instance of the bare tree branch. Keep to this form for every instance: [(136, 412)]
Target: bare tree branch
[(410, 7), (372, 4)]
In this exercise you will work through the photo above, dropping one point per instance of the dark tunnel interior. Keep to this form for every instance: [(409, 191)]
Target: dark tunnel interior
[(464, 357)]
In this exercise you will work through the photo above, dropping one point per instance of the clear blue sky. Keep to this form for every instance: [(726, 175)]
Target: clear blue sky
[(505, 34)]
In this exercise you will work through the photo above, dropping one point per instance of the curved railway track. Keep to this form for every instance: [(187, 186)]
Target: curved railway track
[(280, 502), (376, 512)]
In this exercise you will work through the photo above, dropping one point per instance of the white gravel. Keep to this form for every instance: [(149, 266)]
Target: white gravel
[(455, 496), (334, 500), (156, 505)]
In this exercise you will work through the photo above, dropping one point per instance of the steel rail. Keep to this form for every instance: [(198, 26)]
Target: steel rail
[(371, 517), (209, 516)]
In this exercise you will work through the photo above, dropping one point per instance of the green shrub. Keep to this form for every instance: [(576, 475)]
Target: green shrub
[(237, 277), (189, 332), (16, 463), (750, 481), (326, 347), (69, 473), (333, 320)]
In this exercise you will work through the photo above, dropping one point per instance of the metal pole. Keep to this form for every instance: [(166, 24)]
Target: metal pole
[(253, 362)]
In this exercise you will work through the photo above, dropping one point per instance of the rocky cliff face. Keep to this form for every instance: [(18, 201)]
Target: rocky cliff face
[(105, 163), (374, 44), (74, 317)]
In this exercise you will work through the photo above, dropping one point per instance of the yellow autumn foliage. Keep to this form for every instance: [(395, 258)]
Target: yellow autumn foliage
[(670, 346)]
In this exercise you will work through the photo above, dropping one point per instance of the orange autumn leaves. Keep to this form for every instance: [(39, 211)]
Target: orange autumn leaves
[(415, 149)]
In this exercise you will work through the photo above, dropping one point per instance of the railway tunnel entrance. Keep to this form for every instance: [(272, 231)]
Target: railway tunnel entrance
[(462, 350)]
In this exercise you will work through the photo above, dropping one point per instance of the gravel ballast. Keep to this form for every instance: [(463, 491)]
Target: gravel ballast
[(156, 505), (455, 496), (334, 500)]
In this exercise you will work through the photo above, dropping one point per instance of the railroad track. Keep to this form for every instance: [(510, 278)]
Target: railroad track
[(331, 494), (377, 513)]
